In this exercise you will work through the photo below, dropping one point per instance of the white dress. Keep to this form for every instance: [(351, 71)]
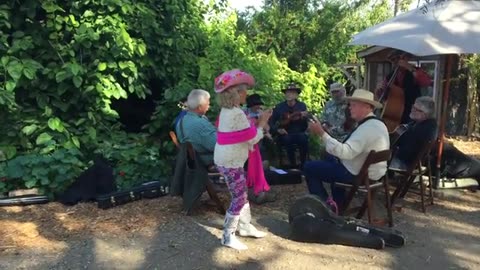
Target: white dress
[(234, 155)]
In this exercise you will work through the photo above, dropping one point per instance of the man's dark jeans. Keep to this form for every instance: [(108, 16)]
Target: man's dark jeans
[(290, 142), (329, 171)]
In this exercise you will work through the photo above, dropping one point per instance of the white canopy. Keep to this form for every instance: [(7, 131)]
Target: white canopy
[(441, 27)]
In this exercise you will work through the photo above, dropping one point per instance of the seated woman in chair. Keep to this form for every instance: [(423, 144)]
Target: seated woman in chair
[(410, 139)]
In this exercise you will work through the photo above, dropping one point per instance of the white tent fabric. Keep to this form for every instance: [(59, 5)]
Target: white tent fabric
[(441, 27)]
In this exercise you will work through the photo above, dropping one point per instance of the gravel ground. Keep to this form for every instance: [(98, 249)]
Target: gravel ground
[(153, 234)]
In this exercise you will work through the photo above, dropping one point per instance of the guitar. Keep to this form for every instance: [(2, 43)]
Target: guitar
[(397, 134)]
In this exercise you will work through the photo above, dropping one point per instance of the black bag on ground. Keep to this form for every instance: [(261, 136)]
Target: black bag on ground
[(95, 181), (455, 164), (312, 221), (291, 177)]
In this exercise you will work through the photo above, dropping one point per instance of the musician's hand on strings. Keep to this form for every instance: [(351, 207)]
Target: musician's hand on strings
[(379, 89), (316, 128), (404, 63), (282, 131), (326, 126)]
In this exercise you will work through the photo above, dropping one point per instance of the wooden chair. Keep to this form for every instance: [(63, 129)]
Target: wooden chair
[(362, 183), (414, 171), (174, 138), (212, 191)]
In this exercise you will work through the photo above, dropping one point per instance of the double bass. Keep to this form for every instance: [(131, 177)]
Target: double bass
[(393, 100)]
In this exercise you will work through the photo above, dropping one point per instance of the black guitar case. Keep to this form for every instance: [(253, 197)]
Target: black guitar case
[(149, 190), (312, 221), (24, 200)]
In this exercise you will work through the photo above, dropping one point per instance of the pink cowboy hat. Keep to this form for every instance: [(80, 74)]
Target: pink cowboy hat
[(231, 78)]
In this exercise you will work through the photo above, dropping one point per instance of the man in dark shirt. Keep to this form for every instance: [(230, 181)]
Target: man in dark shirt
[(289, 121), (422, 130)]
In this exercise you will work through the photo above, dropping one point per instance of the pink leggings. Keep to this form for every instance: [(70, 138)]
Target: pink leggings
[(236, 182)]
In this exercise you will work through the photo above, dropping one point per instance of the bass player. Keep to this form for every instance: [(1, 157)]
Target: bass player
[(408, 77)]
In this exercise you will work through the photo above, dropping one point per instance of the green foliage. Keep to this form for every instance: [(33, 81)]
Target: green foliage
[(136, 159), (63, 65), (50, 173), (227, 49), (307, 33)]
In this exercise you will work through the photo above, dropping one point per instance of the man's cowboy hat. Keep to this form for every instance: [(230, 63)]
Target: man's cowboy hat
[(231, 78), (292, 87), (364, 96)]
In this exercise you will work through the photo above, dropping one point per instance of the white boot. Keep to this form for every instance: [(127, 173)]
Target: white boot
[(229, 227), (245, 228)]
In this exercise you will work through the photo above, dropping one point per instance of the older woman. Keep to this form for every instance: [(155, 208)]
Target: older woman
[(420, 131), (235, 137)]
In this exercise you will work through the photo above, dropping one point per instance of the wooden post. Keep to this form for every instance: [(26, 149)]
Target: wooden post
[(443, 120), (472, 102)]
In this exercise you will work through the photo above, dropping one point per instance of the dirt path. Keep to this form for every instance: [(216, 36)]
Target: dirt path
[(153, 235)]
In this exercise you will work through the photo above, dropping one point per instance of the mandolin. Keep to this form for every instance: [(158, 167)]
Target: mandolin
[(289, 117)]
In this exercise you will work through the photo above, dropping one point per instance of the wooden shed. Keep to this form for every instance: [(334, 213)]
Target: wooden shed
[(463, 97)]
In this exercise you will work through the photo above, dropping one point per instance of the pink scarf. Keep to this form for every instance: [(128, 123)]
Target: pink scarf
[(234, 137), (255, 175)]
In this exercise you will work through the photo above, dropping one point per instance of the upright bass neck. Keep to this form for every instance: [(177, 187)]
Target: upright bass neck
[(386, 88)]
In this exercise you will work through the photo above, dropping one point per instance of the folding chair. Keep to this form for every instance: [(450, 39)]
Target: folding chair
[(416, 170), (363, 183)]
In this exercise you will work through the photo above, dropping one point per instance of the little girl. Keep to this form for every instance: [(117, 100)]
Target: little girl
[(235, 137)]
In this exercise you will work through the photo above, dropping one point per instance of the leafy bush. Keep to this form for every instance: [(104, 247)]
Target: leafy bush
[(64, 64), (136, 159), (48, 172)]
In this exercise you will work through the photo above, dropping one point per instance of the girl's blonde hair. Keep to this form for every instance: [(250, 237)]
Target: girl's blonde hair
[(230, 97)]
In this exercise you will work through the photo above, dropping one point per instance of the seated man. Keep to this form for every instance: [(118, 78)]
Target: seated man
[(420, 131), (336, 116), (289, 121), (195, 128), (348, 157)]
